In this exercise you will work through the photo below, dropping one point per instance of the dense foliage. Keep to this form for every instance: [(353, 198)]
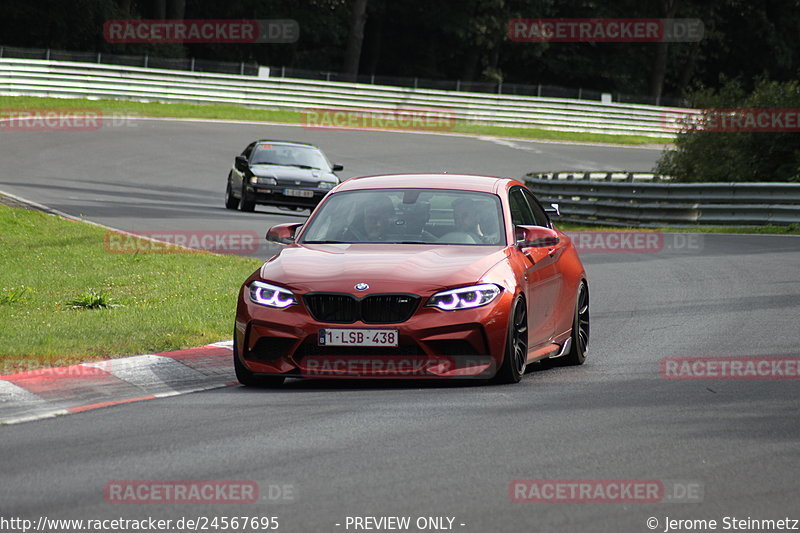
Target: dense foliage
[(710, 154), (453, 39)]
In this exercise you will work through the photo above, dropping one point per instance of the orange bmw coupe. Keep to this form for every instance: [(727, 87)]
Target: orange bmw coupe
[(415, 276)]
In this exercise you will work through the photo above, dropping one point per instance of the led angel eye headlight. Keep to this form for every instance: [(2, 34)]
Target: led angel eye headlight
[(464, 297), (271, 296)]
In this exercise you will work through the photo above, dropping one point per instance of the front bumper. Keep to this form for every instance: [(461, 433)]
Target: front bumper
[(274, 195), (437, 344)]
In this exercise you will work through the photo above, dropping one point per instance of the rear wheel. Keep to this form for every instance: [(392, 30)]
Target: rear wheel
[(516, 355), (231, 202), (248, 378), (248, 203), (580, 331)]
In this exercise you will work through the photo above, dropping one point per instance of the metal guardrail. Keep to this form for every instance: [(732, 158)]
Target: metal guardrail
[(91, 80), (252, 68), (648, 200)]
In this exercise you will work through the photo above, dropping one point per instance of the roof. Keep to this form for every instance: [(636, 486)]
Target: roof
[(468, 182)]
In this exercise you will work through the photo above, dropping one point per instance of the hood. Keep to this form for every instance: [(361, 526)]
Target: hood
[(289, 175), (410, 268)]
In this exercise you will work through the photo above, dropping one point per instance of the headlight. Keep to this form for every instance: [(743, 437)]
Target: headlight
[(465, 297), (255, 180), (326, 185), (271, 296)]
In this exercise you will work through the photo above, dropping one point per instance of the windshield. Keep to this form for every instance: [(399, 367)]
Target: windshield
[(294, 156), (408, 216)]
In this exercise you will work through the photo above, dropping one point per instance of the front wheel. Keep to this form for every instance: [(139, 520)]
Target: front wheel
[(248, 203), (248, 378), (580, 331), (516, 355), (231, 202)]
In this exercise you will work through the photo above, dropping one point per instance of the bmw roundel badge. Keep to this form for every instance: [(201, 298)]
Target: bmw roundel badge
[(362, 286)]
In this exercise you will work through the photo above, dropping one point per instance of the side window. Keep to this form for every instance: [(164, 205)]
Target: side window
[(538, 212), (521, 214)]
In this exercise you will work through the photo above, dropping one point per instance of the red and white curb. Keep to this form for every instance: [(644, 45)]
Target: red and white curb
[(49, 392)]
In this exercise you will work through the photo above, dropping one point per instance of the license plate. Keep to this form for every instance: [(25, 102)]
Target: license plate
[(300, 193), (358, 337)]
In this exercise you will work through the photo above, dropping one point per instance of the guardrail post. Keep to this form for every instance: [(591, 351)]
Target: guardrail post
[(415, 83), (241, 69), (283, 71), (47, 57), (609, 176), (1, 51), (630, 177), (192, 67), (555, 175), (458, 82), (500, 87), (580, 93), (539, 90), (587, 175), (146, 60), (372, 79), (99, 57)]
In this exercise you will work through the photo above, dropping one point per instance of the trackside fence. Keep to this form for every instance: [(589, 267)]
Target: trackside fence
[(70, 79)]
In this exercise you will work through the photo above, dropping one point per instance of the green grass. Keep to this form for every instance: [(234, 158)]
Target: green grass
[(233, 112), (791, 229), (65, 299)]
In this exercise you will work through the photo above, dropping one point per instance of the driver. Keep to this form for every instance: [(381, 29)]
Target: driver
[(466, 218), (372, 225)]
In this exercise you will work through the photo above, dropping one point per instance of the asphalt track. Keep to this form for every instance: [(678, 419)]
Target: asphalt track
[(424, 449)]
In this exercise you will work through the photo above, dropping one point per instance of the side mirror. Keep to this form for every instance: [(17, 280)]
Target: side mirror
[(337, 167), (553, 210), (283, 233), (240, 163), (535, 237)]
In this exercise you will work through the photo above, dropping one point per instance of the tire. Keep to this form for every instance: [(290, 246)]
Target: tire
[(248, 379), (231, 202), (580, 331), (247, 203), (516, 354)]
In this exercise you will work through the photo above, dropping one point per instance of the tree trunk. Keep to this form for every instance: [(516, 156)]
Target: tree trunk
[(668, 10), (352, 55), (160, 9), (176, 10)]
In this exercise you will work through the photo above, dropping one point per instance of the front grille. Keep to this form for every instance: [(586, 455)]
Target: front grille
[(388, 308), (375, 309), (339, 308)]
